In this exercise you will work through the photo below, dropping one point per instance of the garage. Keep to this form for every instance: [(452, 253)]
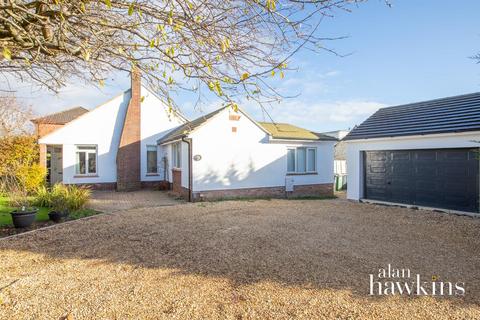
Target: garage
[(424, 154), (439, 178)]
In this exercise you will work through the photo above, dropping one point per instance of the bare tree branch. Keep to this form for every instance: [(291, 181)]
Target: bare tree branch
[(229, 46), (14, 117)]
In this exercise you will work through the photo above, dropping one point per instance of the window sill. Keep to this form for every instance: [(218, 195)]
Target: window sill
[(301, 173), (86, 176), (152, 174)]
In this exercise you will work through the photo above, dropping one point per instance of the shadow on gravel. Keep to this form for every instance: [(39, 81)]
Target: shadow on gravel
[(311, 244)]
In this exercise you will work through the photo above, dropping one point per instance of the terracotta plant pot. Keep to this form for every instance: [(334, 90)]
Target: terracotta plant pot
[(24, 219)]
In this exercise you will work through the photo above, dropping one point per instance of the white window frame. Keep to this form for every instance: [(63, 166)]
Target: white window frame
[(177, 156), (87, 152), (306, 160), (151, 146), (294, 159)]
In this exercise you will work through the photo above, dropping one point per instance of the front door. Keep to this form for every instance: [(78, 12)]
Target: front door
[(56, 165)]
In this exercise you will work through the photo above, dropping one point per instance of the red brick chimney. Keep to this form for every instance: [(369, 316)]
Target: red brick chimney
[(128, 156)]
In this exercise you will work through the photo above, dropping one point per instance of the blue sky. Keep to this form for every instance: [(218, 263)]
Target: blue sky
[(416, 50)]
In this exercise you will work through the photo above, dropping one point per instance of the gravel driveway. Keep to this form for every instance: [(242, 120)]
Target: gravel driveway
[(240, 260)]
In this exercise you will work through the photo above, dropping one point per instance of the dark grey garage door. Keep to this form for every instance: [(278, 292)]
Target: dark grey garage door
[(441, 178)]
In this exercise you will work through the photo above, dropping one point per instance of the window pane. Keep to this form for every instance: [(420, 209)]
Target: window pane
[(178, 156), (81, 163), (311, 160), (291, 160), (301, 160), (174, 155), (92, 162), (151, 161)]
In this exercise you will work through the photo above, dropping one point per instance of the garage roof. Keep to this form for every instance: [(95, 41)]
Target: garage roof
[(452, 114)]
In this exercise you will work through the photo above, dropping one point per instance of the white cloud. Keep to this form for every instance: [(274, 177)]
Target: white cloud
[(319, 116), (73, 94), (306, 110)]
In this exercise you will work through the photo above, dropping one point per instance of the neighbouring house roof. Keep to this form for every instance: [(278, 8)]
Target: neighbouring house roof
[(340, 147), (276, 130), (61, 117), (291, 132), (183, 130), (447, 115), (338, 134)]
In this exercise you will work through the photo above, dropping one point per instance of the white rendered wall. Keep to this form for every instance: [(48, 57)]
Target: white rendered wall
[(155, 123), (246, 159), (355, 148), (102, 126)]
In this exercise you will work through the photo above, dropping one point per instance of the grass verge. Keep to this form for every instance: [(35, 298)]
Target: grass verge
[(6, 218), (42, 215)]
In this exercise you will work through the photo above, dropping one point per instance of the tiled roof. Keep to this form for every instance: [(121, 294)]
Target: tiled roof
[(291, 132), (61, 117), (452, 114), (184, 129), (276, 130)]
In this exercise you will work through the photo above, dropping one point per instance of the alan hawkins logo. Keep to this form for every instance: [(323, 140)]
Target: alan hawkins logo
[(392, 281)]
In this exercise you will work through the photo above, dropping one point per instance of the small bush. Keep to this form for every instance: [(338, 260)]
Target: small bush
[(43, 197), (77, 197), (19, 164), (31, 177), (62, 197)]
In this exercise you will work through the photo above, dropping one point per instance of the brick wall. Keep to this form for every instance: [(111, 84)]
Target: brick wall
[(105, 186), (42, 155), (177, 184), (128, 156), (177, 181), (42, 129), (156, 185), (319, 190)]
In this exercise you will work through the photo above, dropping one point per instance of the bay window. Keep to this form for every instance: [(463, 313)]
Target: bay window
[(301, 160)]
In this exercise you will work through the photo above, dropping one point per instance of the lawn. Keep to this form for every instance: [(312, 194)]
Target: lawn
[(274, 259), (42, 215), (5, 209)]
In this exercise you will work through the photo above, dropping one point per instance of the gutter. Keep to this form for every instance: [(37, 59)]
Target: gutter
[(190, 178), (298, 140), (163, 143), (414, 136)]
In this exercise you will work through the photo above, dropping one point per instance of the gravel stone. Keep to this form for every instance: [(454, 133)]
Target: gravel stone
[(278, 259)]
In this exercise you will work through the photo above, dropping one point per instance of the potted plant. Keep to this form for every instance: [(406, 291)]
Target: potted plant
[(59, 203), (24, 215)]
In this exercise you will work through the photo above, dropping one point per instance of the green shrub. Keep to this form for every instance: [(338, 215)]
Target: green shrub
[(77, 197), (19, 164), (31, 177), (61, 197), (43, 197)]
